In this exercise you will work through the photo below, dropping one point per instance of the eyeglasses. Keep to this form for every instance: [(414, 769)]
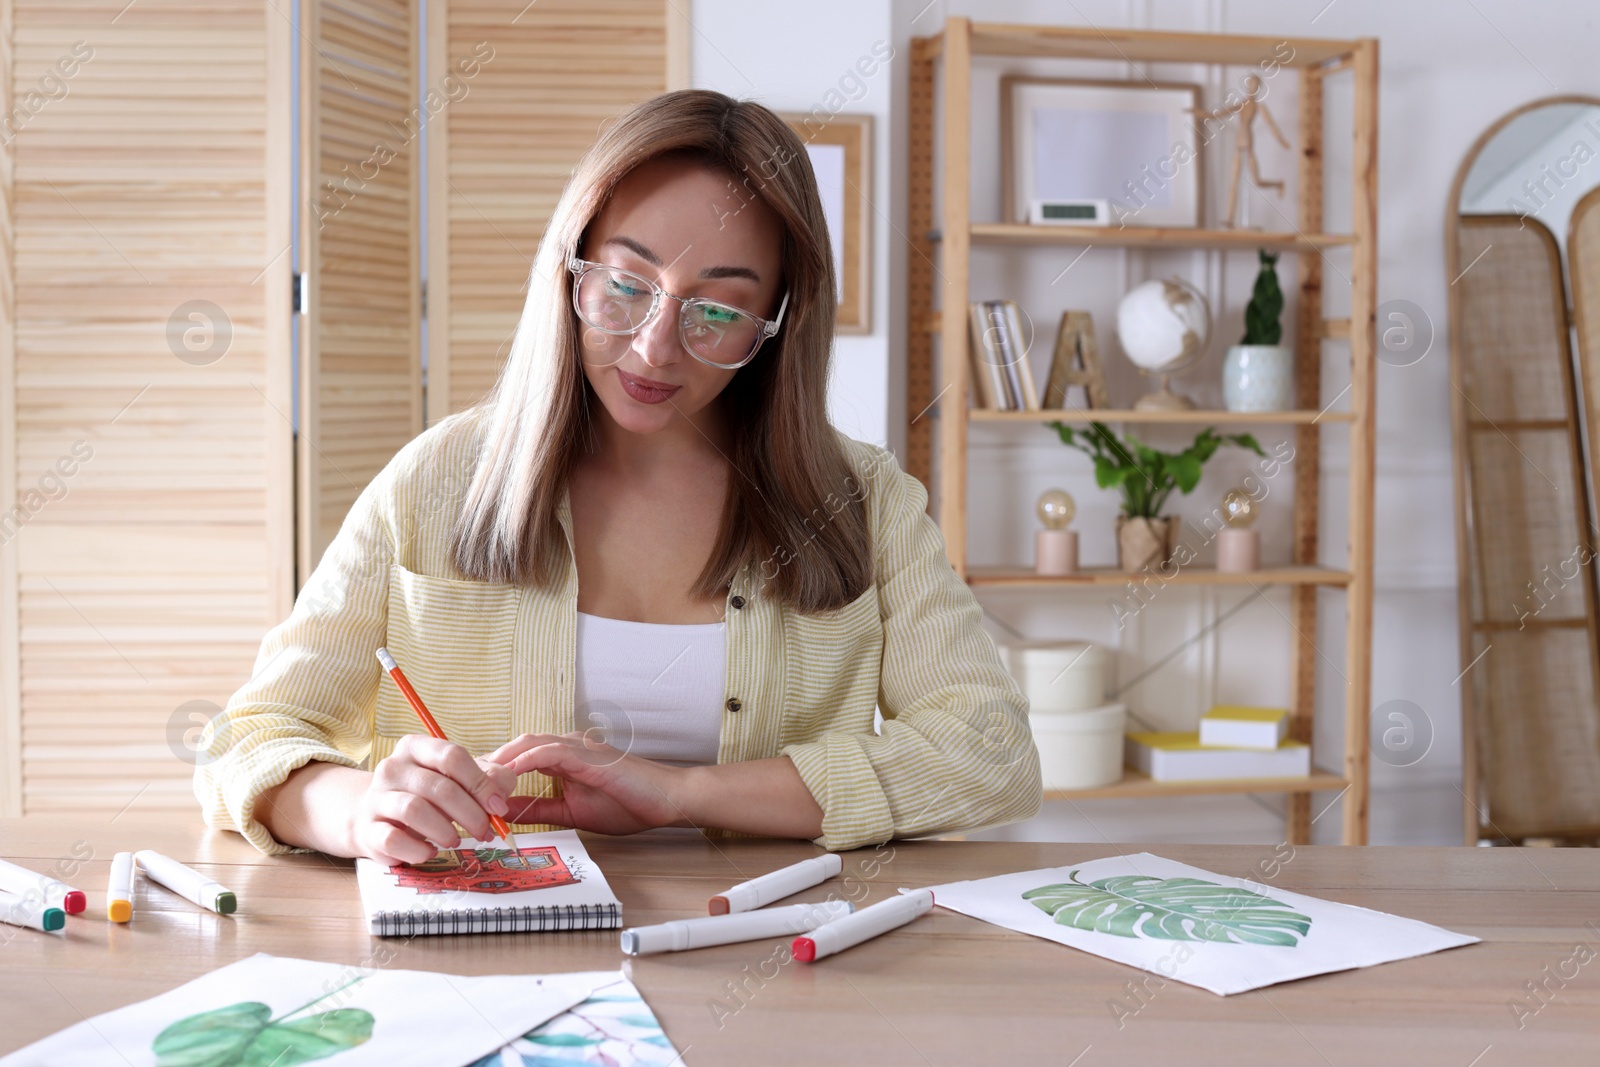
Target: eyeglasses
[(616, 302)]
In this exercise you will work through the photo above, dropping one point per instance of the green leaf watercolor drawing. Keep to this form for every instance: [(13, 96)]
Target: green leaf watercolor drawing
[(1170, 909), (246, 1035)]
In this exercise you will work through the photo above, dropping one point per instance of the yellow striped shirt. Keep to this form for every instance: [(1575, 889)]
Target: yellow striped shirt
[(493, 661)]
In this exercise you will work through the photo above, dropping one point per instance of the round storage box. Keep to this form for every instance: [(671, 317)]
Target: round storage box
[(1079, 749), (1058, 675)]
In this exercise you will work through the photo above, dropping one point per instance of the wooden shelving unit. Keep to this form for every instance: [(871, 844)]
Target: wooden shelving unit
[(938, 411)]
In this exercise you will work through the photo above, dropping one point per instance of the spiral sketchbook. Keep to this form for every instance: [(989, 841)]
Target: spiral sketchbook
[(547, 883)]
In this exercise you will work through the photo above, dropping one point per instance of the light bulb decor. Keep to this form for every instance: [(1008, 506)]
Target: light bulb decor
[(1238, 546), (1055, 548)]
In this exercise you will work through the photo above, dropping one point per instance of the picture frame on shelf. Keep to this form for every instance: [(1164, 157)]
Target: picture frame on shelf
[(1135, 145), (840, 151)]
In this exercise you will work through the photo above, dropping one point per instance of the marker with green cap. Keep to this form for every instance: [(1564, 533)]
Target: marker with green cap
[(31, 912), (186, 882)]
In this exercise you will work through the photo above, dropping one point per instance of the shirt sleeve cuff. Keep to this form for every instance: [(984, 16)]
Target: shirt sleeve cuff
[(855, 809), (255, 772)]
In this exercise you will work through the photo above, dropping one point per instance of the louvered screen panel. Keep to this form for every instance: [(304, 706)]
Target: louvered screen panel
[(501, 153), (151, 442), (361, 343)]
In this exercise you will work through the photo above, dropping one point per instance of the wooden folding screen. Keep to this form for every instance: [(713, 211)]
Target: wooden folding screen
[(499, 156), (361, 251), (157, 510), (145, 505)]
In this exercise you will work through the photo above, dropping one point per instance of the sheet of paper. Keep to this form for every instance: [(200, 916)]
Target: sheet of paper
[(613, 1028), (1223, 934), (278, 1010)]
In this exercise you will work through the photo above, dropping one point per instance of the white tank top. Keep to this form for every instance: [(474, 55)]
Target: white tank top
[(652, 689)]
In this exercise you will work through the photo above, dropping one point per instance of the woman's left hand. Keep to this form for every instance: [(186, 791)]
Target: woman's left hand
[(604, 789)]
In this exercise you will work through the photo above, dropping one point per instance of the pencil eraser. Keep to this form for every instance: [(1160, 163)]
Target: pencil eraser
[(54, 919), (804, 949), (719, 905), (120, 911), (227, 903), (74, 902)]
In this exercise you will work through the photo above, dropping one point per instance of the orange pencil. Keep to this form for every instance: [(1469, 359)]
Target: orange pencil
[(501, 827)]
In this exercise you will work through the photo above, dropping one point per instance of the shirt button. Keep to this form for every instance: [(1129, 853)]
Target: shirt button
[(737, 602), (733, 704)]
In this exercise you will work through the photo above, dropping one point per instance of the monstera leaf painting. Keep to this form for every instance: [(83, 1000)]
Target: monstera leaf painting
[(246, 1035), (1171, 909)]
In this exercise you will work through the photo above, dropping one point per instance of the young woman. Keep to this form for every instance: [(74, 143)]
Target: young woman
[(644, 583)]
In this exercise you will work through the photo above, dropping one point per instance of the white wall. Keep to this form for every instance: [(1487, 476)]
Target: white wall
[(1449, 69), (797, 59)]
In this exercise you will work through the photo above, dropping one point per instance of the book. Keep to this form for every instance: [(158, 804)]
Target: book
[(1233, 726), (548, 883), (1179, 757), (985, 383), (1005, 352), (1019, 354)]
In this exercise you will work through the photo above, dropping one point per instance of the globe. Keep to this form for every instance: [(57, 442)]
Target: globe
[(1163, 324)]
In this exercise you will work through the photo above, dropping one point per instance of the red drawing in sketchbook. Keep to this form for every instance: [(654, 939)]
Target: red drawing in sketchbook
[(487, 870)]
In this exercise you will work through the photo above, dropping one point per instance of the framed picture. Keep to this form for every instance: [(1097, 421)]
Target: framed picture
[(1066, 143), (841, 155)]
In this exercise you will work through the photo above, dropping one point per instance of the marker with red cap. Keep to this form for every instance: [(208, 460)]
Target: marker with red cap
[(862, 926), (22, 881)]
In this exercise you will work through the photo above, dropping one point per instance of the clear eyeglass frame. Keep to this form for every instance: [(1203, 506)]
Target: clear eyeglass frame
[(765, 328)]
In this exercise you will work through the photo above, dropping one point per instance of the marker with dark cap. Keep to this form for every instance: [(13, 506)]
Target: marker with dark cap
[(30, 912), (786, 881), (186, 882)]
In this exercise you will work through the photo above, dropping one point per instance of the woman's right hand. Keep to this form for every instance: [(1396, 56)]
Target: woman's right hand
[(407, 812)]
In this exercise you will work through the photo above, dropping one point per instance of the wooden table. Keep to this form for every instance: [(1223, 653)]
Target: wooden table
[(946, 989)]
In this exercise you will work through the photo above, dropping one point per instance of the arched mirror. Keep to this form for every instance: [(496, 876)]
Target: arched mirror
[(1523, 228)]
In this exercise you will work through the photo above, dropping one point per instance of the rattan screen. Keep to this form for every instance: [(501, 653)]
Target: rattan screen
[(1528, 608)]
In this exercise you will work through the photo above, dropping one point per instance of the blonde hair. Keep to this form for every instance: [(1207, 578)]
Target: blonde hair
[(787, 459)]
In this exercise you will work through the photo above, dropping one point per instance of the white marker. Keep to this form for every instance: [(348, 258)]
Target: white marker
[(726, 929), (187, 882), (862, 926), (32, 912), (759, 892), (119, 890), (22, 881)]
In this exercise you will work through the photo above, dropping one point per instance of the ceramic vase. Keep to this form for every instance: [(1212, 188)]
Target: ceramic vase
[(1258, 378)]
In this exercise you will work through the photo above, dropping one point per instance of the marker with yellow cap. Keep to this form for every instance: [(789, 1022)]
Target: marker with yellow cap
[(119, 890), (187, 882)]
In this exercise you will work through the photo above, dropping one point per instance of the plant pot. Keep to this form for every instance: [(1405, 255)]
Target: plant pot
[(1143, 542), (1258, 378)]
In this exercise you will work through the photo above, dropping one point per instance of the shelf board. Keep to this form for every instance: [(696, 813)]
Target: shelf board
[(1151, 46), (1304, 418), (1151, 237), (1134, 784), (991, 577)]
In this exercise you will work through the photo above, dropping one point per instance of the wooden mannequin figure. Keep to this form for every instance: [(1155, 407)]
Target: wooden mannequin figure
[(1244, 148)]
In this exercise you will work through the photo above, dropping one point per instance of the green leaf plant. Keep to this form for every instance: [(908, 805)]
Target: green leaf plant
[(1147, 476), (1262, 325)]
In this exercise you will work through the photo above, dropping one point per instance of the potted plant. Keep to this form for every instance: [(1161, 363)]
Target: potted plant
[(1146, 476), (1258, 372)]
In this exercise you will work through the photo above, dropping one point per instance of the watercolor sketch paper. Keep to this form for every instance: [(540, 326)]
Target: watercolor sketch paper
[(613, 1028), (283, 1011), (1223, 934), (548, 883)]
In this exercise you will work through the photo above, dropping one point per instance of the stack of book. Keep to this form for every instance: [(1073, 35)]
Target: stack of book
[(1000, 373), (1232, 742)]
